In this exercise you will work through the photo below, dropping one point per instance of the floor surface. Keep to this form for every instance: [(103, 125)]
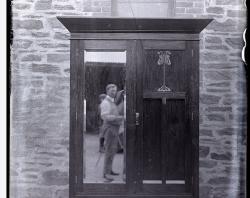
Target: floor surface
[(94, 162)]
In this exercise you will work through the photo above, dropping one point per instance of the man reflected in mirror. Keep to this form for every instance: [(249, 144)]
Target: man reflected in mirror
[(111, 124)]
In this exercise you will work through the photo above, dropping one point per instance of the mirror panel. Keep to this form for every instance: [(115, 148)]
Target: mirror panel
[(104, 117)]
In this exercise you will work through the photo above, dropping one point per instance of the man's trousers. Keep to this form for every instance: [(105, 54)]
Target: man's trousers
[(111, 142)]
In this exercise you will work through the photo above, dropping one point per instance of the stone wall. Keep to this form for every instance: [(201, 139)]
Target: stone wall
[(222, 101), (40, 95)]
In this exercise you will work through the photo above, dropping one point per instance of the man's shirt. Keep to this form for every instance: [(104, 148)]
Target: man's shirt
[(109, 111)]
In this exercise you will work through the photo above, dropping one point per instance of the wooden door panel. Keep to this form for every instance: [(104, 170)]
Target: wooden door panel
[(174, 145), (163, 140), (151, 139), (165, 123)]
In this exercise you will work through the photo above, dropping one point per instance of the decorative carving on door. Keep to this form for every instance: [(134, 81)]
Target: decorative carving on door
[(164, 59)]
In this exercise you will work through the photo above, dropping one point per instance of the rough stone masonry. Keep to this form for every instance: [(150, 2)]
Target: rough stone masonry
[(40, 95)]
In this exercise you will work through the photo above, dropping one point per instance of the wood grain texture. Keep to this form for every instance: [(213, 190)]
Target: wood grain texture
[(137, 36), (173, 131), (76, 117), (152, 140), (168, 122), (117, 24), (131, 139), (194, 92), (163, 45)]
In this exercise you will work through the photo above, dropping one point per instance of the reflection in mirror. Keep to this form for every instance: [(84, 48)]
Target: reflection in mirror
[(104, 117)]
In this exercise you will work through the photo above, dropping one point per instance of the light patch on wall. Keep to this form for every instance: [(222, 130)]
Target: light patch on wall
[(143, 8)]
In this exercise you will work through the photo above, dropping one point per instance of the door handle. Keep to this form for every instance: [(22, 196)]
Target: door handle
[(137, 118)]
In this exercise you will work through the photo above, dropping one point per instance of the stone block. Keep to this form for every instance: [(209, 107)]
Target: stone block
[(203, 151), (217, 47), (101, 3), (45, 164), (213, 39), (194, 10), (55, 177), (13, 173), (92, 9), (219, 91), (106, 9), (57, 58), (63, 7), (219, 180), (40, 34), (28, 24), (45, 68), (47, 45), (227, 131), (184, 4), (43, 5), (235, 43), (55, 23), (31, 57), (179, 10), (205, 192), (57, 79), (27, 170), (38, 192), (22, 6), (228, 25), (37, 83), (209, 99), (67, 70), (51, 154), (199, 4), (29, 176), (219, 109), (227, 2), (21, 43), (222, 192), (236, 13), (218, 66), (219, 84), (239, 118), (206, 132), (235, 100), (216, 117), (224, 156), (207, 164), (62, 193), (215, 10), (219, 75), (213, 57), (61, 36)]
